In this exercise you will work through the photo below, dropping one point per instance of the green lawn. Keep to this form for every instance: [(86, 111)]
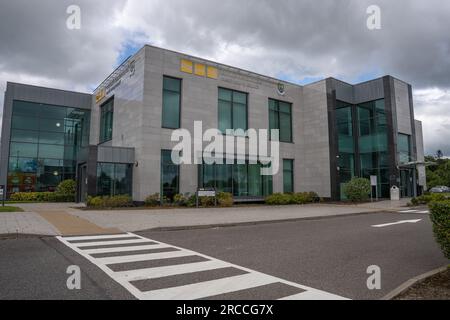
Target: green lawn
[(10, 209)]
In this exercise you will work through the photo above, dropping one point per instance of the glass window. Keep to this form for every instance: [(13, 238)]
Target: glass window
[(24, 136), (170, 175), (106, 121), (51, 138), (51, 151), (171, 103), (288, 176), (241, 180), (26, 123), (233, 110), (41, 137), (404, 148), (280, 117), (114, 179), (28, 150)]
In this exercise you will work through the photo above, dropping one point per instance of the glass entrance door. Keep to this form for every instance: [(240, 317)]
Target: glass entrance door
[(406, 183)]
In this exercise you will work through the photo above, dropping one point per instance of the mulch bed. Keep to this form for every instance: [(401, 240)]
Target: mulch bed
[(436, 287)]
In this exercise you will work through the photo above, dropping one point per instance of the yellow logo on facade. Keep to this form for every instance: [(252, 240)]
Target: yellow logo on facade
[(100, 95), (199, 69)]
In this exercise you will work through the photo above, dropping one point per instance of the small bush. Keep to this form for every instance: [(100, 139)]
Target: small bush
[(440, 216), (119, 201), (153, 200), (67, 188), (279, 199), (191, 201), (206, 201), (225, 199), (428, 198), (180, 200), (301, 198), (357, 190)]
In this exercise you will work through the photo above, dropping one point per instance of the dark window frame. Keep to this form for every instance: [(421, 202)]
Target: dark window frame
[(232, 108), (103, 137), (277, 102), (180, 106), (292, 173)]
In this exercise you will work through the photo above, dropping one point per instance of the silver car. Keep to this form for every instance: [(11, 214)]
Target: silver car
[(440, 189)]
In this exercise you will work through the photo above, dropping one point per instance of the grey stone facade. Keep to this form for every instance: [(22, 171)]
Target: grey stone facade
[(137, 88)]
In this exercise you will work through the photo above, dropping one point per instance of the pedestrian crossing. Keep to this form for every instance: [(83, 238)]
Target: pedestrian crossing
[(415, 211), (152, 270)]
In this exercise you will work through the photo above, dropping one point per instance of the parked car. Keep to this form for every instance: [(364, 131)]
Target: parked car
[(440, 189)]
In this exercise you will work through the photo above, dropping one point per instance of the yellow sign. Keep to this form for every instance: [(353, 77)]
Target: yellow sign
[(100, 95), (187, 66), (213, 73), (199, 69)]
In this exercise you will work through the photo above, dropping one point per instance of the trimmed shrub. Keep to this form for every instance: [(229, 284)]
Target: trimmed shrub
[(67, 188), (277, 199), (357, 190), (153, 200), (225, 199), (119, 201), (206, 201), (180, 200), (440, 216), (428, 198), (301, 198)]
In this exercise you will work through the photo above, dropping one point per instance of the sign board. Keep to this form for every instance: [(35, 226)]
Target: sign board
[(373, 181), (206, 193)]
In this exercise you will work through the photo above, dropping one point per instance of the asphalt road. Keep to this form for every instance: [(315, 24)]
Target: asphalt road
[(328, 254)]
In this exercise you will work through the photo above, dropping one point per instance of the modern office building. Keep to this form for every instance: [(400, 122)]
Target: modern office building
[(118, 139)]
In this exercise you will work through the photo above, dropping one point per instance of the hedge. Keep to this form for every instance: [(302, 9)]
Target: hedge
[(440, 216), (119, 201), (428, 198), (292, 198), (65, 192)]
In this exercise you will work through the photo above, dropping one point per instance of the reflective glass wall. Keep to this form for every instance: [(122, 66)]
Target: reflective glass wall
[(114, 179), (241, 180), (45, 143), (363, 143)]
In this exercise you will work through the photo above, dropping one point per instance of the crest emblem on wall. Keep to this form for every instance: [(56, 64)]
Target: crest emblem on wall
[(281, 89)]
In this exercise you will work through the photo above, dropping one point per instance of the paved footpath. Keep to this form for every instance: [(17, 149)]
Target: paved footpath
[(67, 219)]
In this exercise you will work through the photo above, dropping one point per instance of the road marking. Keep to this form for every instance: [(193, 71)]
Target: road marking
[(250, 280), (115, 236), (100, 243), (415, 211), (126, 249), (396, 223), (159, 272)]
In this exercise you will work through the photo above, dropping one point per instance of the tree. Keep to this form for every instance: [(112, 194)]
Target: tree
[(439, 154)]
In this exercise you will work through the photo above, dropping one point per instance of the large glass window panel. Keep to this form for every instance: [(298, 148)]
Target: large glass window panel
[(170, 175), (280, 118), (27, 150), (51, 151), (288, 176), (53, 112), (24, 136), (27, 165), (240, 178), (51, 138), (171, 103), (224, 178), (225, 116), (123, 179), (404, 148), (105, 179), (233, 113), (27, 109), (106, 121), (240, 116), (25, 123), (53, 125), (254, 180)]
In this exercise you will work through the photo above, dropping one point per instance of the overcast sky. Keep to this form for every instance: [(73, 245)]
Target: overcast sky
[(295, 40)]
